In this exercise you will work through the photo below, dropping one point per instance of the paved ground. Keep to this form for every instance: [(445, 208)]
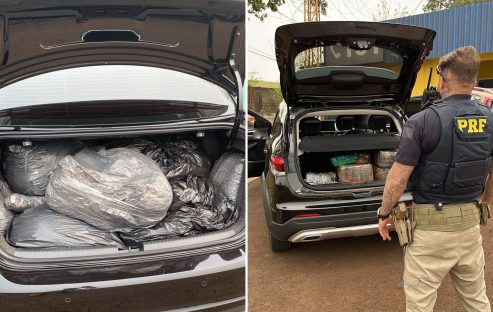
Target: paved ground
[(351, 274)]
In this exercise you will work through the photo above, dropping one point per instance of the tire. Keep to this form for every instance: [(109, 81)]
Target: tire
[(279, 245)]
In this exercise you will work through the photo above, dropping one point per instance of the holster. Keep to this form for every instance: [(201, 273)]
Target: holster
[(404, 224), (484, 213)]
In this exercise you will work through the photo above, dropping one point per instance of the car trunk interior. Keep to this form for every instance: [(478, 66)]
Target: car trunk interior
[(197, 221), (346, 149)]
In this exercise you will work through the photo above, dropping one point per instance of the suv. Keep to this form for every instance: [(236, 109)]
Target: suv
[(123, 75), (342, 83)]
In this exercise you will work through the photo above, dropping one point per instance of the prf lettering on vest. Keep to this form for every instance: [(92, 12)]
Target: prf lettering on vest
[(472, 125)]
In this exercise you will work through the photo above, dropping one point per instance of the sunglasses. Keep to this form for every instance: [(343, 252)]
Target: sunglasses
[(439, 72)]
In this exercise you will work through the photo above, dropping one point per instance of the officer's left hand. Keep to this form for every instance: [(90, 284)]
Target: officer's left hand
[(383, 229)]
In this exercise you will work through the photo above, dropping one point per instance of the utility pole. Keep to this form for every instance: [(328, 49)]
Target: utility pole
[(311, 13)]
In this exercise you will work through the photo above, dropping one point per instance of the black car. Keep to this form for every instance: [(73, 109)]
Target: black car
[(324, 160), (137, 74)]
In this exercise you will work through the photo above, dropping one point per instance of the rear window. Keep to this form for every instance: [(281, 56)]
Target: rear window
[(323, 61), (109, 95)]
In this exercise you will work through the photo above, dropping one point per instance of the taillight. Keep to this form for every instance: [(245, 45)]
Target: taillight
[(305, 215), (277, 163)]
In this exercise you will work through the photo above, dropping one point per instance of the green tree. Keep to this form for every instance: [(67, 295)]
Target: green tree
[(259, 8), (436, 5), (384, 12)]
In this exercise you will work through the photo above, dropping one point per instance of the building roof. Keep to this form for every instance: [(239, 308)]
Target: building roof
[(466, 25)]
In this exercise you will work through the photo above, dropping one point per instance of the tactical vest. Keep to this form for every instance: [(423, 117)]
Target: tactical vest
[(456, 170)]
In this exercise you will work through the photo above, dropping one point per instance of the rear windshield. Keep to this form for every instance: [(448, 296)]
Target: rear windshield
[(323, 61), (111, 94)]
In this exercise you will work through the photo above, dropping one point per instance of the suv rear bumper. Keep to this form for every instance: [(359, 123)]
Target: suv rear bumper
[(325, 226), (328, 233)]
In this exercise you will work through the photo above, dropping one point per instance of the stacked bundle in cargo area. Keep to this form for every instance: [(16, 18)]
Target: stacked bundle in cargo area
[(354, 168), (353, 148), (116, 192)]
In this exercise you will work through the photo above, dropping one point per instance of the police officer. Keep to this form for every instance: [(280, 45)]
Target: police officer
[(446, 151)]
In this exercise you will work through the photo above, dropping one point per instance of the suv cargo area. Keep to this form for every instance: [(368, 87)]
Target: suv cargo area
[(346, 149), (120, 196)]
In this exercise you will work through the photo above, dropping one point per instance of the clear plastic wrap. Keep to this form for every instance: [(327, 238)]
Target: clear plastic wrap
[(44, 228), (5, 190), (110, 189), (19, 202), (364, 158), (226, 180), (28, 168), (385, 159), (321, 178), (355, 174), (380, 173), (5, 217)]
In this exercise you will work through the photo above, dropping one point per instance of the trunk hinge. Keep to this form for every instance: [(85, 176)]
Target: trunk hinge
[(233, 67)]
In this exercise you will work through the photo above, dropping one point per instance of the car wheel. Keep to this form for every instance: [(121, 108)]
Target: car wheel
[(278, 245)]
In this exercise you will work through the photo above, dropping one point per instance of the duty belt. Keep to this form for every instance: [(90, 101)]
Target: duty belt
[(452, 217)]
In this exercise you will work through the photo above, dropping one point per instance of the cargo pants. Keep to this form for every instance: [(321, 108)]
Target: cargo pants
[(434, 254)]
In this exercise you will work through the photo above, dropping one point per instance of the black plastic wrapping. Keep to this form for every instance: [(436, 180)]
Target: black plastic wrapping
[(227, 178), (184, 221), (42, 227), (225, 183), (110, 189), (28, 168), (193, 190), (177, 158)]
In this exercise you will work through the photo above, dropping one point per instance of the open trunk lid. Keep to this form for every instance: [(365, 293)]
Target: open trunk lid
[(350, 62), (196, 37), (200, 38)]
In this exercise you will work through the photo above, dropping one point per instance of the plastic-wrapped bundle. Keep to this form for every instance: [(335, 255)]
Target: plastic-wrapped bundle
[(28, 168), (5, 190), (227, 179), (385, 159), (344, 159), (193, 190), (137, 144), (355, 174), (19, 202), (110, 189), (321, 178), (184, 221), (227, 173), (42, 227), (177, 159), (5, 217), (5, 214), (380, 173), (364, 158)]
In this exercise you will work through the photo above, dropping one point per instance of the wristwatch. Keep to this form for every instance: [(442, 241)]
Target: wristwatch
[(382, 217)]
